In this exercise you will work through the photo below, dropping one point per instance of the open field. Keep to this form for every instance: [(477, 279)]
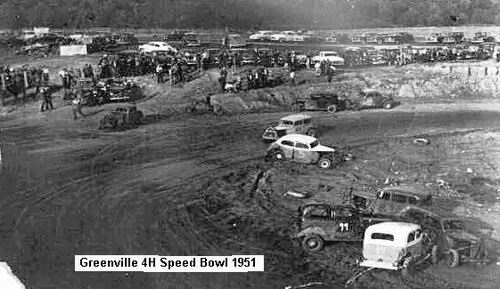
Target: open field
[(185, 185)]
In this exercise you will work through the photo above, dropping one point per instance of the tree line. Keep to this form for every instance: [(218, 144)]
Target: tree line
[(246, 14)]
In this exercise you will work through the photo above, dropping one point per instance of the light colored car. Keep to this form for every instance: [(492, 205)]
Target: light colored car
[(287, 36), (331, 56), (395, 246), (303, 149), (156, 46), (263, 35), (292, 124)]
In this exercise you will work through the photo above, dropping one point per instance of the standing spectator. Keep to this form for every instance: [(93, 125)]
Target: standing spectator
[(292, 76), (159, 73), (77, 105), (330, 71), (223, 78), (317, 68)]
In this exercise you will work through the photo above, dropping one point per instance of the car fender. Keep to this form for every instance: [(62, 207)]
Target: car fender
[(311, 231)]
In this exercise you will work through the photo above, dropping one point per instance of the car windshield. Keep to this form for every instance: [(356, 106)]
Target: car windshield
[(453, 224), (314, 144)]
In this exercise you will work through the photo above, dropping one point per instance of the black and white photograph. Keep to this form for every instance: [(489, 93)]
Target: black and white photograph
[(249, 144)]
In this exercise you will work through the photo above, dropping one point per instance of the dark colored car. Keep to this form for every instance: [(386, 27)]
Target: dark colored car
[(121, 118), (318, 223), (375, 99), (319, 101), (457, 241)]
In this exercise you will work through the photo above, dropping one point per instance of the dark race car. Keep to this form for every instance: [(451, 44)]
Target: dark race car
[(318, 223)]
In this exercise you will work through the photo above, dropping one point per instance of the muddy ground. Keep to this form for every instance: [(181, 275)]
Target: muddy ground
[(185, 185)]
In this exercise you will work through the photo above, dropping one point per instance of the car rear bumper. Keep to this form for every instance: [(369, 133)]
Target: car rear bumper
[(381, 265)]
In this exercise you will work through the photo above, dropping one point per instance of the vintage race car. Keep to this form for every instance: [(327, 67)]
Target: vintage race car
[(457, 240), (318, 223), (303, 149)]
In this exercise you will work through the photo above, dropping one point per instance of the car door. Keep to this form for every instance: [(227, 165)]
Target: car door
[(302, 153), (347, 224)]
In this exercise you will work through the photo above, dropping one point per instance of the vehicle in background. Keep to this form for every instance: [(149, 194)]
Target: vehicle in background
[(395, 246), (372, 38), (291, 124), (356, 39), (244, 56), (126, 117), (432, 39), (329, 102), (191, 39), (175, 36), (370, 98), (303, 149), (338, 38), (318, 223), (457, 241), (310, 36), (331, 56), (234, 41), (156, 46), (481, 37), (262, 36), (391, 200), (213, 53), (399, 38), (287, 36)]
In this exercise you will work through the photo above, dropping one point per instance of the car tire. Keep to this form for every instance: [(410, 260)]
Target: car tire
[(388, 105), (325, 163), (435, 254), (453, 258), (332, 108), (313, 243), (278, 158), (407, 266)]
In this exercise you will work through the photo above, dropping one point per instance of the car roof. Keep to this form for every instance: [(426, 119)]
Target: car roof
[(392, 227), (298, 138), (295, 117), (409, 189)]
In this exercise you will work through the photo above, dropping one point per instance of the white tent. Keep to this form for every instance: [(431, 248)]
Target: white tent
[(7, 279)]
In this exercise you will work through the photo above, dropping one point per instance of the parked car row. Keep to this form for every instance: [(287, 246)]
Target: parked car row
[(368, 38)]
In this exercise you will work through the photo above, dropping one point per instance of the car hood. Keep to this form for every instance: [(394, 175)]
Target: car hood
[(462, 235), (322, 148)]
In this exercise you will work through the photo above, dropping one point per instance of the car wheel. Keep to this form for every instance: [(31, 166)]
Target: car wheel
[(313, 243), (407, 266), (325, 163), (278, 158), (332, 108), (453, 258), (388, 105)]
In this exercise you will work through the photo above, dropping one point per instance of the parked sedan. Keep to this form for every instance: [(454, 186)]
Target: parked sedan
[(287, 36), (261, 36), (157, 46), (303, 149)]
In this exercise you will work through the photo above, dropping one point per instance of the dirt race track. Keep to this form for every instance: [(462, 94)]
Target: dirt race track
[(183, 186)]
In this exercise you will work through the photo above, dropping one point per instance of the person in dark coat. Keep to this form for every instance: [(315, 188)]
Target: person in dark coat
[(46, 99)]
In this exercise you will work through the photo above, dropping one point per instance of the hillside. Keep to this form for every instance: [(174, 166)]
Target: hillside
[(317, 14)]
